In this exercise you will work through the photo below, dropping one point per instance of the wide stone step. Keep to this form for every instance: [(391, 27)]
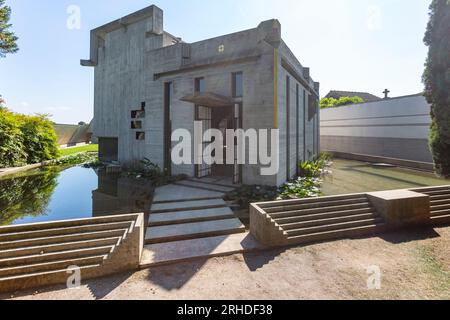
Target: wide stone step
[(332, 227), (338, 234), (440, 202), (215, 182), (440, 197), (16, 244), (186, 250), (271, 204), (37, 277), (315, 205), (187, 205), (437, 213), (66, 223), (437, 192), (326, 215), (56, 256), (440, 207), (51, 248), (49, 266), (190, 216), (64, 231), (285, 214), (193, 230), (330, 221), (204, 186), (441, 218)]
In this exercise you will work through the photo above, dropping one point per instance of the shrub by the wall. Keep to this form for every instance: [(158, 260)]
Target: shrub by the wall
[(26, 139)]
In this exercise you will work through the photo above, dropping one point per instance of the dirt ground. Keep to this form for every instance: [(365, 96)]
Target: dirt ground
[(414, 265)]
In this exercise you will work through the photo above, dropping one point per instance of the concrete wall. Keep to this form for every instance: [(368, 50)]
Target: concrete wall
[(135, 62), (69, 135), (394, 128)]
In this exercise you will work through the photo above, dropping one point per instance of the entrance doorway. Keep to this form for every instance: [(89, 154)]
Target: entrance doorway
[(222, 118)]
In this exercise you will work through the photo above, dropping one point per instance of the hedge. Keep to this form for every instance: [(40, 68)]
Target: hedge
[(26, 139)]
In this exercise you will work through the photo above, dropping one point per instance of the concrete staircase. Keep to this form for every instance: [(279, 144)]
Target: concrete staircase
[(203, 227), (40, 254), (440, 203), (314, 220)]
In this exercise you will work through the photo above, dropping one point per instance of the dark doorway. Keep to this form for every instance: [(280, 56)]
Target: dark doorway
[(222, 119), (108, 149)]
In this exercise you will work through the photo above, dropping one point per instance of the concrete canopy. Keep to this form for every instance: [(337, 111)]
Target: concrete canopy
[(209, 99)]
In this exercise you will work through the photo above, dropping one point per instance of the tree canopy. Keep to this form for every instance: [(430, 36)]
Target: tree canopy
[(437, 83), (326, 103), (8, 41)]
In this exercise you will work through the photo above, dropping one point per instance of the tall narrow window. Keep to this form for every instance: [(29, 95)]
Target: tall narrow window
[(168, 88), (304, 126), (297, 123), (200, 85), (288, 128), (237, 84)]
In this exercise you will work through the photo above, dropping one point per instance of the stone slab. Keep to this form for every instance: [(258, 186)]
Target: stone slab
[(180, 193), (186, 205), (195, 184), (191, 229), (190, 214), (175, 252), (401, 207)]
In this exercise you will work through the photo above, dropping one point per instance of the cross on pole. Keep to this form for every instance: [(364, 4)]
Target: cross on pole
[(386, 93)]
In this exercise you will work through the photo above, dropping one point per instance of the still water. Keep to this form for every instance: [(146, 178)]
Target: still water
[(51, 194)]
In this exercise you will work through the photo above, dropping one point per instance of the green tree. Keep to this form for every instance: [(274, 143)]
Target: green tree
[(8, 41), (342, 101), (437, 83)]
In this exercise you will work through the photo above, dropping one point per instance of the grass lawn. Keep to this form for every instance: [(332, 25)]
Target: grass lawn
[(86, 148)]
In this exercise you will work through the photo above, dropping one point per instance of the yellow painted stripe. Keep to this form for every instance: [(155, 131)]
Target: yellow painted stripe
[(275, 88)]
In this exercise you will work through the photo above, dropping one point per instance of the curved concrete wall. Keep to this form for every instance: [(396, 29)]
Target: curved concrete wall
[(393, 128)]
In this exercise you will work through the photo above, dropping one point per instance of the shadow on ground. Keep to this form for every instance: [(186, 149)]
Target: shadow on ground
[(410, 235)]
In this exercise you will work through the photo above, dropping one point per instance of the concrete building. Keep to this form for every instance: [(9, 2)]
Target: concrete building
[(149, 83), (395, 128)]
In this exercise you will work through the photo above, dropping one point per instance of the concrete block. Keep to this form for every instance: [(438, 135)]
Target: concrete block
[(401, 207)]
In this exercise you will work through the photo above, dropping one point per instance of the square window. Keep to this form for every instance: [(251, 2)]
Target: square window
[(140, 136), (136, 124)]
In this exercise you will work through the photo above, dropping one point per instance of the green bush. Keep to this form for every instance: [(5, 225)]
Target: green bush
[(26, 139), (326, 103), (437, 83)]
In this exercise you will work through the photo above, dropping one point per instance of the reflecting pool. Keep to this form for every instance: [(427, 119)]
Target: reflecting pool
[(54, 193)]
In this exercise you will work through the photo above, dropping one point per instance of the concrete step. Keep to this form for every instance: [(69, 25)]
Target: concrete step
[(333, 227), (443, 196), (437, 192), (56, 256), (366, 230), (437, 213), (326, 215), (193, 230), (204, 186), (441, 218), (51, 266), (17, 244), (440, 202), (37, 276), (64, 231), (187, 200), (187, 205), (314, 205), (330, 221), (190, 216), (215, 182), (52, 248), (271, 204), (66, 223), (187, 250), (440, 207), (285, 214)]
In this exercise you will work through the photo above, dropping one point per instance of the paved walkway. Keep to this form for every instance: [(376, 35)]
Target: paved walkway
[(190, 220)]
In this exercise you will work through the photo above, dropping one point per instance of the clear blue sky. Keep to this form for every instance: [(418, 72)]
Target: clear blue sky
[(358, 45)]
